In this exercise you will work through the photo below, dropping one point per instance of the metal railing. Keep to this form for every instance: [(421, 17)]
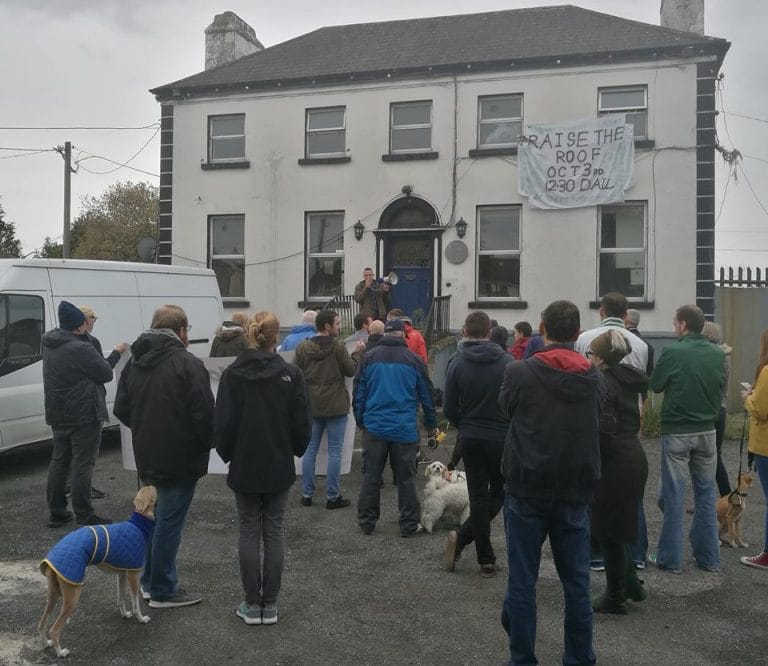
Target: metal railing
[(438, 319), (346, 307), (742, 277)]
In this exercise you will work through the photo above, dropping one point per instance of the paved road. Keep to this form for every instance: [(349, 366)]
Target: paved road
[(351, 599)]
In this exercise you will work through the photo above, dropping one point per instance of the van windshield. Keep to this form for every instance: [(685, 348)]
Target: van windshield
[(22, 322)]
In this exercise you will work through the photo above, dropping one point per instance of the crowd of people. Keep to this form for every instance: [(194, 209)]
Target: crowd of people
[(547, 427)]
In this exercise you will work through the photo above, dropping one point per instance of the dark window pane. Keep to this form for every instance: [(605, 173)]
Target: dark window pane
[(22, 322), (622, 99), (622, 227), (325, 143), (227, 126), (230, 274), (227, 235), (499, 229), (228, 149), (494, 134), (623, 272), (411, 114), (324, 276), (325, 119), (498, 276), (501, 107), (326, 233), (411, 139)]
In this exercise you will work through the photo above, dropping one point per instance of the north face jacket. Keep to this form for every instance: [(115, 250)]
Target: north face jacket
[(262, 421), (164, 396)]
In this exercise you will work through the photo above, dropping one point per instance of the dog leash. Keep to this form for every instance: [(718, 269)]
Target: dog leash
[(735, 496)]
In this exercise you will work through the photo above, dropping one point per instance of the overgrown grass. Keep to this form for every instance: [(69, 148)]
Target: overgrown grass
[(734, 421)]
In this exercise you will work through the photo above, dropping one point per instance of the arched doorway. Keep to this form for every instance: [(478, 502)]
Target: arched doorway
[(409, 238)]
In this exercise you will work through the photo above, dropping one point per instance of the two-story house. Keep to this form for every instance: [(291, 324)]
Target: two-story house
[(394, 145)]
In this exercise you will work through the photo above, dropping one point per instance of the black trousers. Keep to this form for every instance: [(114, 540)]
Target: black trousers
[(482, 463)]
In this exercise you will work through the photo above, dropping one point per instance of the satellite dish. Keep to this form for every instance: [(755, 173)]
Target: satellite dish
[(146, 248)]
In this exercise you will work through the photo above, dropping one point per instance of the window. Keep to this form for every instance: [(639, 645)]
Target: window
[(226, 138), (227, 254), (326, 132), (498, 252), (499, 121), (410, 127), (631, 101), (325, 254), (622, 250), (22, 322)]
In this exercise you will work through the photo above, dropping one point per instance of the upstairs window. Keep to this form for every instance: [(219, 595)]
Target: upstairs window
[(498, 252), (622, 250), (410, 127), (499, 121), (227, 253), (632, 101), (324, 254), (226, 138), (326, 132)]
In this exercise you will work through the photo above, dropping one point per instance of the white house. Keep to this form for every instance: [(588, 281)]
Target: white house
[(395, 145)]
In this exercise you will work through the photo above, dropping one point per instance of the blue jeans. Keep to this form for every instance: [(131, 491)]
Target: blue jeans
[(638, 551), (335, 426), (527, 523), (261, 521), (159, 575), (682, 454), (761, 465)]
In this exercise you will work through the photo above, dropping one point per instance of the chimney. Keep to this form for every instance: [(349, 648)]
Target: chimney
[(228, 38), (685, 15)]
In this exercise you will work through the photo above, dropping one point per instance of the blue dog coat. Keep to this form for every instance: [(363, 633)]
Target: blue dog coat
[(119, 546)]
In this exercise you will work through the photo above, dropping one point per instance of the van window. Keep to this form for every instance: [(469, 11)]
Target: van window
[(22, 322)]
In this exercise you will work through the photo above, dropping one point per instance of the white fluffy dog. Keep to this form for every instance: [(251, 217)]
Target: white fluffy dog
[(445, 494)]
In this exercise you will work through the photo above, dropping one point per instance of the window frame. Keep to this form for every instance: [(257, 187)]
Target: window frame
[(309, 255), (392, 128), (623, 250), (212, 256), (308, 131), (212, 138), (625, 109), (12, 363), (496, 121), (518, 253)]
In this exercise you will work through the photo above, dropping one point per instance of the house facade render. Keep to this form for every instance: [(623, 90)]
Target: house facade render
[(395, 145)]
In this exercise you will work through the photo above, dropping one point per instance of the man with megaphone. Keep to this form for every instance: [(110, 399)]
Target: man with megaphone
[(373, 294)]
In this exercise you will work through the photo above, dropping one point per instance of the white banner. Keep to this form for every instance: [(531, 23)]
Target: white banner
[(216, 465), (576, 163)]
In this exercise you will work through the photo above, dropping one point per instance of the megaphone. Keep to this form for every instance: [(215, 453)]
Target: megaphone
[(389, 279)]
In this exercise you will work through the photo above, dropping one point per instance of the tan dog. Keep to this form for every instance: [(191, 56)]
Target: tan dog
[(118, 548), (730, 509)]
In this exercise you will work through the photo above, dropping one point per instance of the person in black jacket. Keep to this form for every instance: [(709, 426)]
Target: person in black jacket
[(73, 377), (262, 422), (471, 404), (551, 466), (164, 396)]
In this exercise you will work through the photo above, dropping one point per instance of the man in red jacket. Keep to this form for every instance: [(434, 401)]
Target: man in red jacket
[(414, 340)]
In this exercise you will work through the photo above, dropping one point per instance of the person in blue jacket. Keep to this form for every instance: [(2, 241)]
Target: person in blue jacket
[(390, 383), (300, 332)]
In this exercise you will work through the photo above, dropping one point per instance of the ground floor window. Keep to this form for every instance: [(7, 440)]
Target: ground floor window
[(498, 252), (324, 251), (226, 253), (623, 254)]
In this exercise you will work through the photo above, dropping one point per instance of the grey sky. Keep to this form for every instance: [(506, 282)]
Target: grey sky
[(66, 63)]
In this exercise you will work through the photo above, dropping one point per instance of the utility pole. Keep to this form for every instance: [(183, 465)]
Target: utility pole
[(66, 153)]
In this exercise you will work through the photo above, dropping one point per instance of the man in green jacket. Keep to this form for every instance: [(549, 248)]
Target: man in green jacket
[(690, 374), (326, 362)]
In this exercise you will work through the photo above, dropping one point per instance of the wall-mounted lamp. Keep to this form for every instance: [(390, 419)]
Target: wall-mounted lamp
[(461, 228), (359, 228)]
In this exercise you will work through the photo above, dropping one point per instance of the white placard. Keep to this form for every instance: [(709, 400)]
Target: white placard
[(576, 163)]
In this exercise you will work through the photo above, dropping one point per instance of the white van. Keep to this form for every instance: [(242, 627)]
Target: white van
[(123, 296)]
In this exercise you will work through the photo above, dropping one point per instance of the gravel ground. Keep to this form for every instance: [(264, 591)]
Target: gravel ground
[(352, 599)]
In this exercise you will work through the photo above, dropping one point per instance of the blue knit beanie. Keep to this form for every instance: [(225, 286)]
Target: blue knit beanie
[(70, 316)]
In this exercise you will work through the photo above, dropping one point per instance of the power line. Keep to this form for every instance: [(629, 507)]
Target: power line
[(739, 115), (751, 189), (27, 154), (80, 127), (752, 157), (120, 166)]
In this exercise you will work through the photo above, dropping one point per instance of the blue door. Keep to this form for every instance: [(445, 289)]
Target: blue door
[(410, 256)]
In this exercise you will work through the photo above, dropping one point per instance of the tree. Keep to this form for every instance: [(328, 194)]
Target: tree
[(110, 226), (10, 246), (50, 250)]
